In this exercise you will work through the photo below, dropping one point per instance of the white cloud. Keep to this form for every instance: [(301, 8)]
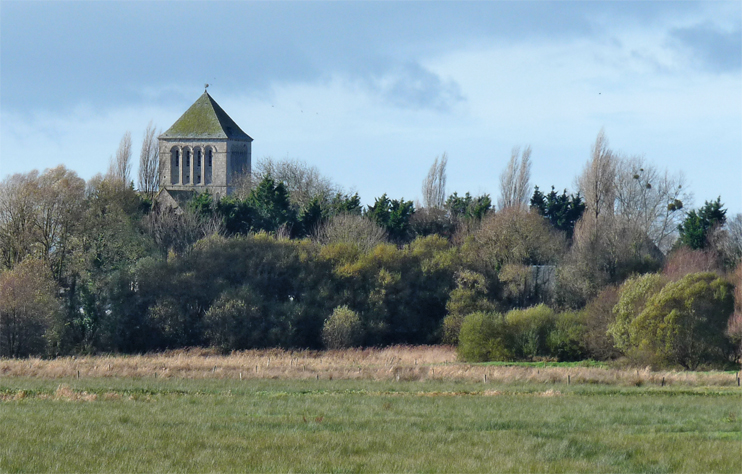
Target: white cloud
[(378, 130)]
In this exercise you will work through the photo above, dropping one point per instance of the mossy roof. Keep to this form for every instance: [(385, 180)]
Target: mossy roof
[(174, 199), (205, 119)]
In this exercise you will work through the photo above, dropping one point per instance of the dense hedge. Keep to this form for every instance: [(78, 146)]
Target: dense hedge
[(96, 267)]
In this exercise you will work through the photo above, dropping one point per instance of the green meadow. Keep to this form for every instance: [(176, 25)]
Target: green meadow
[(186, 425)]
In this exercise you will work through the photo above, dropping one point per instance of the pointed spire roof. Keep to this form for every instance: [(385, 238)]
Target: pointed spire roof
[(205, 119)]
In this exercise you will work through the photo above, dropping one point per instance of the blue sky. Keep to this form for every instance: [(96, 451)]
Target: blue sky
[(371, 93)]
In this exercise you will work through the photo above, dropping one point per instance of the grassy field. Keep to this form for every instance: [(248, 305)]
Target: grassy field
[(121, 423)]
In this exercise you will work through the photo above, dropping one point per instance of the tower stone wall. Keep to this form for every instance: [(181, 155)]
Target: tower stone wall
[(204, 151), (200, 165)]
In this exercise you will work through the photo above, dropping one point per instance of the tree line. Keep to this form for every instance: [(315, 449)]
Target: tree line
[(617, 269)]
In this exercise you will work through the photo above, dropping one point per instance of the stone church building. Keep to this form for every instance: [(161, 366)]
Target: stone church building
[(204, 150)]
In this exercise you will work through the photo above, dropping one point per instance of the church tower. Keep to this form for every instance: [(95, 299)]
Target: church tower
[(204, 150)]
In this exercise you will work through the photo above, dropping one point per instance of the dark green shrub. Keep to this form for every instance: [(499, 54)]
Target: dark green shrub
[(234, 322), (400, 293), (483, 337), (28, 305), (469, 296), (567, 340), (598, 316), (174, 325)]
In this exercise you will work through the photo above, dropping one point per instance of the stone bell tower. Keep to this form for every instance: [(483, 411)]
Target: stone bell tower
[(204, 150)]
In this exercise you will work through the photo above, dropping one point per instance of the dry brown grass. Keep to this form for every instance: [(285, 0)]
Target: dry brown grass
[(404, 363), (63, 392)]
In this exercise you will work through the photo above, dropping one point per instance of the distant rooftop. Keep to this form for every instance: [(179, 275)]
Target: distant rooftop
[(205, 119)]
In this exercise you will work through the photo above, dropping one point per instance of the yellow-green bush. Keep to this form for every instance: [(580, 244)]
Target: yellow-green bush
[(684, 323), (483, 337), (342, 329), (633, 296), (678, 323), (530, 328), (522, 334)]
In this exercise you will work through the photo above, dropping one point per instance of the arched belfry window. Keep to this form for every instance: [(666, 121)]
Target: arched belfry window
[(186, 166), (197, 171), (174, 165), (208, 155)]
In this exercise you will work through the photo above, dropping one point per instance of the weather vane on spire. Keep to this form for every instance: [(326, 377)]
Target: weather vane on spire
[(206, 86)]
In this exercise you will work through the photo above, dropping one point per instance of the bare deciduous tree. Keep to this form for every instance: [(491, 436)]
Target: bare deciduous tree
[(119, 168), (734, 326), (516, 235), (597, 186), (178, 231), (27, 305), (649, 200), (149, 163), (515, 180), (608, 245), (434, 185), (16, 217), (351, 229), (58, 200), (302, 181), (726, 241), (38, 213), (734, 244), (243, 184), (684, 260)]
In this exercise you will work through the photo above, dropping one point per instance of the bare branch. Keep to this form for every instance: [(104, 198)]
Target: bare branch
[(523, 182), (119, 169), (302, 181), (649, 200), (515, 180), (434, 185), (178, 230), (149, 163), (597, 186), (351, 229)]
